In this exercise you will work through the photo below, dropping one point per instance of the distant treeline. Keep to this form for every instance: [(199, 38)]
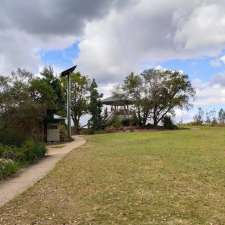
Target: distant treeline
[(211, 117)]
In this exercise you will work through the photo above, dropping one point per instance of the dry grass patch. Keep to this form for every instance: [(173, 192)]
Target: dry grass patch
[(131, 178)]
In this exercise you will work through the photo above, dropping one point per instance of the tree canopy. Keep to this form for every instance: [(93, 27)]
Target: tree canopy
[(25, 100), (157, 93), (79, 97), (95, 107)]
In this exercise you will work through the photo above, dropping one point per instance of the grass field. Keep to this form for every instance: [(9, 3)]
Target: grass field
[(166, 177)]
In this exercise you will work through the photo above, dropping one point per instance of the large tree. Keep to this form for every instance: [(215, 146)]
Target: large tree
[(95, 107), (79, 97), (47, 90), (132, 89), (166, 90), (157, 93)]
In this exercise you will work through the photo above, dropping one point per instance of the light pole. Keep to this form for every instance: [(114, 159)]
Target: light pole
[(67, 74)]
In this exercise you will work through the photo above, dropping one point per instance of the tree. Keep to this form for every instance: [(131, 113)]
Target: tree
[(25, 100), (95, 107), (166, 90), (18, 113), (199, 117), (157, 93), (133, 87), (221, 116), (79, 98)]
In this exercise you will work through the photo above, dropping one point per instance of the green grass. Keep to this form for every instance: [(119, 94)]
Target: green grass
[(164, 177)]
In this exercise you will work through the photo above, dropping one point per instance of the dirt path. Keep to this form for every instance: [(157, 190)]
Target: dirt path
[(29, 176)]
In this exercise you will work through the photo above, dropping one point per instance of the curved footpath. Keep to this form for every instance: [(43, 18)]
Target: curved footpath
[(29, 176)]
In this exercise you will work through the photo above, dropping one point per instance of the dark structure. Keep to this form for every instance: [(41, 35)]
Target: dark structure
[(52, 128)]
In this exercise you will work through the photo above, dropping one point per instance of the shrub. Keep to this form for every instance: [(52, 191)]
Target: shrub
[(116, 122), (7, 168), (27, 153), (31, 151), (11, 137), (168, 123)]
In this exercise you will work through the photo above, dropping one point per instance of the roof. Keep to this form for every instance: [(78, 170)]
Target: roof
[(113, 100), (53, 118)]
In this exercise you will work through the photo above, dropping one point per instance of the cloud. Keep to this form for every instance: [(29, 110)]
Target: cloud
[(211, 92), (204, 30), (148, 33), (222, 59), (116, 37), (52, 17), (28, 26), (218, 80)]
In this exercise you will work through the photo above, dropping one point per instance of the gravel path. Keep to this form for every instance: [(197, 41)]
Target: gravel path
[(29, 176)]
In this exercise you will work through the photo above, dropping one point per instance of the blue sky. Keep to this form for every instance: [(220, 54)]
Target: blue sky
[(200, 68), (197, 68), (62, 58)]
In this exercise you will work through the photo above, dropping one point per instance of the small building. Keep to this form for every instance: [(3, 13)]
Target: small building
[(53, 128), (118, 106)]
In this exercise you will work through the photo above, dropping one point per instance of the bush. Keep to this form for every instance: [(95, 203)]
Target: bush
[(11, 137), (116, 122), (31, 151), (7, 168), (168, 123), (27, 153), (13, 157)]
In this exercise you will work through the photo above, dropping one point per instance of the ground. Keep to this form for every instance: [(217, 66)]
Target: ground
[(27, 177), (140, 178)]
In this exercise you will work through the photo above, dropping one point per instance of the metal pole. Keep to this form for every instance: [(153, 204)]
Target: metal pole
[(67, 74), (69, 105)]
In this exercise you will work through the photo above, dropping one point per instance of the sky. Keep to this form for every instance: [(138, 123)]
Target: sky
[(108, 39)]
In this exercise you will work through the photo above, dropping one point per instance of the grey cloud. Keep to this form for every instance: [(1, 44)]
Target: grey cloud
[(53, 17), (116, 36), (27, 26)]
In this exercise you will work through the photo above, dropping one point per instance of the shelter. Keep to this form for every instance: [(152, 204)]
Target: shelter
[(53, 128), (119, 106)]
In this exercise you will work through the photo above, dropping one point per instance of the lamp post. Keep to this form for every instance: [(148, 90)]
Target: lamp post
[(67, 74)]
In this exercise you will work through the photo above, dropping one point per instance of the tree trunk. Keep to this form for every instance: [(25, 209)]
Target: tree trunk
[(155, 119), (155, 122), (76, 124), (139, 117)]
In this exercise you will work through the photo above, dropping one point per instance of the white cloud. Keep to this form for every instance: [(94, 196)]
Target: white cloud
[(183, 116), (211, 92), (28, 26), (147, 33), (204, 30), (222, 59)]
